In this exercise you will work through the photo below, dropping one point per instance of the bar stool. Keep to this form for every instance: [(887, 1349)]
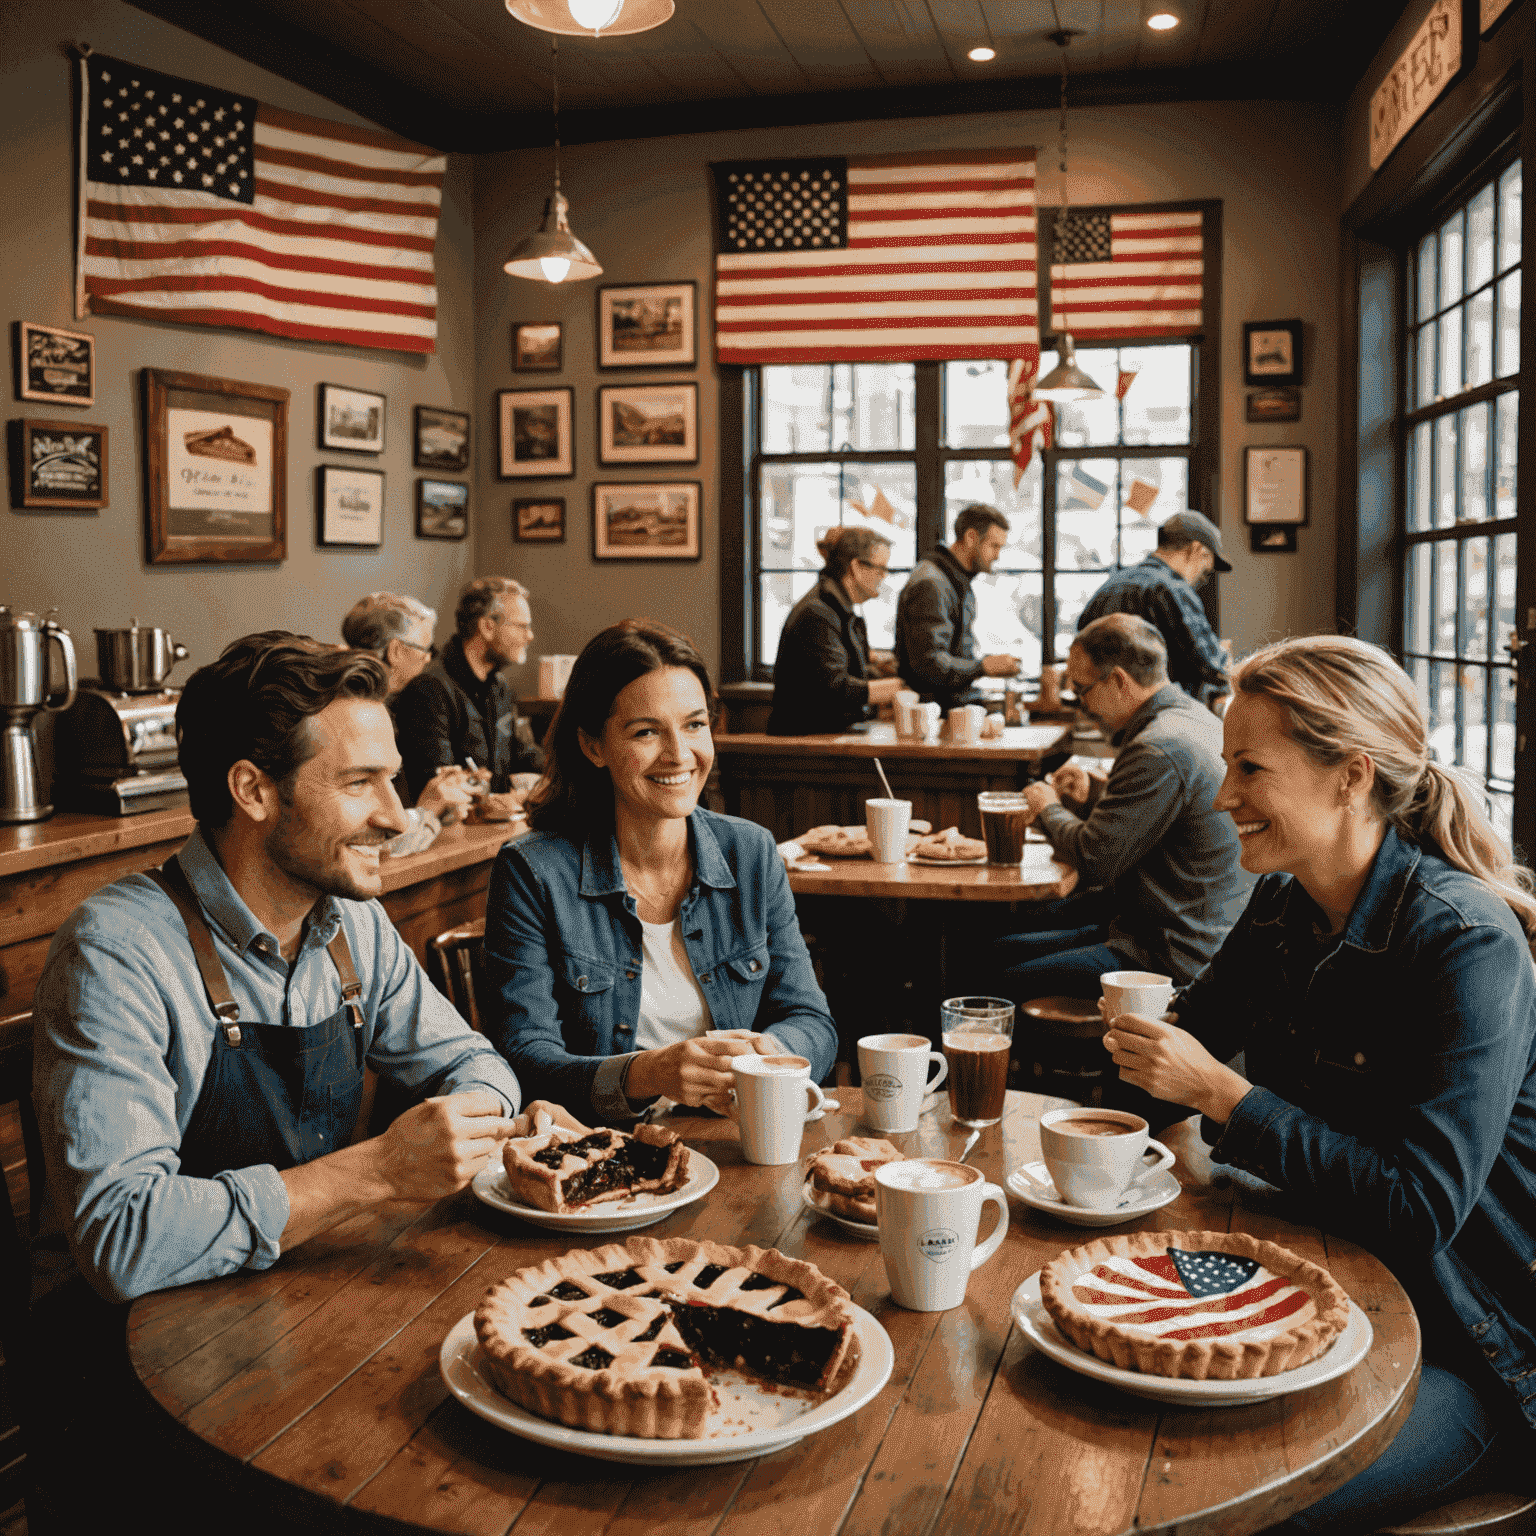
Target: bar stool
[(1062, 1054), (1486, 1514)]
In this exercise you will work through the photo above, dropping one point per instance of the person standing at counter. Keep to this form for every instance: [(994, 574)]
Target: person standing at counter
[(822, 675)]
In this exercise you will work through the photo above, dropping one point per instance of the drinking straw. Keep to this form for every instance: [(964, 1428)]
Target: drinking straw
[(885, 781)]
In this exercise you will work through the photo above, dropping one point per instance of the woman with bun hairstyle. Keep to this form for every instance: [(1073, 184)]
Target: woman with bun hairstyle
[(822, 676), (1380, 985)]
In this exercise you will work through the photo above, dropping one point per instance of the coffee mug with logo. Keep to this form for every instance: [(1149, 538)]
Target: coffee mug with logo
[(929, 1210), (771, 1099), (1097, 1157), (894, 1071)]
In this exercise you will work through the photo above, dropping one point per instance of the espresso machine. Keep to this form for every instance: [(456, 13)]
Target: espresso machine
[(27, 686)]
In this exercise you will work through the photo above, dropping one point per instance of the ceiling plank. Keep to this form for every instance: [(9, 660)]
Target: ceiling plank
[(823, 43), (745, 36), (899, 37)]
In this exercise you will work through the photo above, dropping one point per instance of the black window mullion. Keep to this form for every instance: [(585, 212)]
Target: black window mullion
[(1048, 555), (928, 471)]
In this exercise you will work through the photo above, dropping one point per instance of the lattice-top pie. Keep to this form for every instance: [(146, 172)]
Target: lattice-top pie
[(561, 1170), (1219, 1306), (844, 1174), (616, 1339)]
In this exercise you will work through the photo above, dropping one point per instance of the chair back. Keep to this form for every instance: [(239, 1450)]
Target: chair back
[(456, 964)]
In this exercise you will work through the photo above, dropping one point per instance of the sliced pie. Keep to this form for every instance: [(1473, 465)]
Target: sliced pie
[(843, 1175), (836, 842), (561, 1170), (1219, 1306), (950, 845), (618, 1339)]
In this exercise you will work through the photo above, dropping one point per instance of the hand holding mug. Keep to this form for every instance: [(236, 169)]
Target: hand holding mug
[(1170, 1064)]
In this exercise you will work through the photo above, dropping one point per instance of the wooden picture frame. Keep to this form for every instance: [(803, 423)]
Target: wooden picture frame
[(538, 346), (647, 520), (59, 465), (648, 423), (350, 420), (216, 469), (440, 439), (442, 509), (535, 438), (1272, 352), (54, 366), (349, 506), (1275, 487), (538, 520), (648, 325)]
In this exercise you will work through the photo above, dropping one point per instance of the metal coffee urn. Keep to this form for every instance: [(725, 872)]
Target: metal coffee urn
[(26, 687)]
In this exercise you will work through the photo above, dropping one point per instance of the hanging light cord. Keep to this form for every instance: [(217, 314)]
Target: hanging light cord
[(554, 68), (1062, 145)]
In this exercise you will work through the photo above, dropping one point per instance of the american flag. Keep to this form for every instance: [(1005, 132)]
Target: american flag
[(1128, 274), (206, 206), (1031, 422), (884, 258)]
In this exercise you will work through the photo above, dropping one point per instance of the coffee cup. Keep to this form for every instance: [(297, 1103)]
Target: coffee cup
[(1050, 688), (894, 1069), (1004, 815), (965, 722), (1143, 992), (929, 1210), (772, 1098), (886, 822), (903, 703), (925, 721), (1096, 1157)]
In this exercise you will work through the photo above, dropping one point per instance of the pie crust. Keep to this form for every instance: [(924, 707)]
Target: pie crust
[(1224, 1325), (844, 1175), (949, 844), (562, 1170), (836, 842), (615, 1339)]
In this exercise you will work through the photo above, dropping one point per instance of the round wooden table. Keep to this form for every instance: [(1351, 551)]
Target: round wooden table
[(321, 1374)]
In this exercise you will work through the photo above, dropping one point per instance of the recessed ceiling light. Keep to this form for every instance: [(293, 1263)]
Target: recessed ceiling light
[(1162, 21), (982, 55)]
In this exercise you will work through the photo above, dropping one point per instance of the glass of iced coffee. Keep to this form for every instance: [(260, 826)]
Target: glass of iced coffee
[(1004, 816), (978, 1034)]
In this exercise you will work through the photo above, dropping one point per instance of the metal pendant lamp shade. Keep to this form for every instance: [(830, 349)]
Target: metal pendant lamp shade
[(540, 254), (1066, 381), (584, 18)]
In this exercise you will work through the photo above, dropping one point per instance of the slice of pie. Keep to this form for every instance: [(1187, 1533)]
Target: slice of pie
[(836, 842), (561, 1170), (951, 846), (843, 1175), (619, 1339), (1218, 1306)]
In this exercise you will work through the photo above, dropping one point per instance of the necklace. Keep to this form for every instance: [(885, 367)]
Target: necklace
[(666, 903)]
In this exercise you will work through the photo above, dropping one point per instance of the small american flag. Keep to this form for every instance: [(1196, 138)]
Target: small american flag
[(1128, 274), (886, 258), (1031, 422), (206, 206), (1084, 492)]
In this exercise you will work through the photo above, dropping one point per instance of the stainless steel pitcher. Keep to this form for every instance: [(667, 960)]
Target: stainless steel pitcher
[(27, 685), (137, 659)]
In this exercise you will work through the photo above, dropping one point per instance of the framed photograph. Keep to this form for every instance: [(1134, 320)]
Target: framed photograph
[(648, 423), (536, 348), (216, 470), (351, 506), (535, 434), (646, 522), (442, 509), (440, 439), (539, 521), (1275, 486), (1282, 403), (1272, 352), (650, 326), (58, 464), (57, 367), (351, 419), (1280, 540)]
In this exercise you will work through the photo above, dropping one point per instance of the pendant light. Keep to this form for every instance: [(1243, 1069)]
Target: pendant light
[(552, 253), (1066, 381), (576, 18)]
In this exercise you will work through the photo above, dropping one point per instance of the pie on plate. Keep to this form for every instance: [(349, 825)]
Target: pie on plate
[(950, 846), (844, 1175), (618, 1339), (1200, 1306), (562, 1170), (836, 842)]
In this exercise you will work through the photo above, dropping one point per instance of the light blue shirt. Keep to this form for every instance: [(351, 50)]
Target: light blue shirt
[(124, 1036)]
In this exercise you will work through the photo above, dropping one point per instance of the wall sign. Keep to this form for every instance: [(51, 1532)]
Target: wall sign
[(1418, 77)]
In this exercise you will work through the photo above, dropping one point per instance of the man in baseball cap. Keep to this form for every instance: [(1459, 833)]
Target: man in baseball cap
[(1161, 590)]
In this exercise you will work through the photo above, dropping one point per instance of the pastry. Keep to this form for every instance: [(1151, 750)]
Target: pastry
[(560, 1170), (1203, 1306), (836, 842), (617, 1339), (844, 1175), (949, 844)]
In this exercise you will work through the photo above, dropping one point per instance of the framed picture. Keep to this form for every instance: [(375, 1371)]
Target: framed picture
[(536, 348), (535, 439), (1279, 540), (646, 522), (1281, 403), (57, 367), (1275, 486), (1272, 352), (648, 423), (651, 326), (351, 419), (216, 469), (539, 521), (351, 506), (442, 509), (440, 439), (58, 464)]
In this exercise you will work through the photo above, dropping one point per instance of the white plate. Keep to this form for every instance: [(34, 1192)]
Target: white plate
[(1344, 1354), (458, 1360), (1162, 1189), (858, 1228), (491, 1187)]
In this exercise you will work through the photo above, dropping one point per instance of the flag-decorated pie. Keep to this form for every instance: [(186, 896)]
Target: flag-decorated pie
[(843, 1175), (562, 1170), (1203, 1306), (620, 1339)]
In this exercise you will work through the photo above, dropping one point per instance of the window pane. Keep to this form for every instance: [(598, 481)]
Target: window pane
[(1450, 353), (991, 481), (797, 410), (1503, 591), (800, 502), (1072, 594), (1507, 359), (1151, 491), (1480, 339), (976, 405), (874, 407), (1156, 408), (1474, 720), (1427, 270), (1418, 671), (1509, 217), (1474, 599), (1502, 684), (1419, 478), (1010, 612), (1445, 472), (1092, 423), (779, 595), (1425, 372), (1474, 464), (1443, 635), (1450, 259), (1480, 238), (880, 612), (1442, 711), (1086, 492), (1416, 606), (1507, 424)]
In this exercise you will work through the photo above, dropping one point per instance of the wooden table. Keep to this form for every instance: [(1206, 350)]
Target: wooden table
[(1041, 877), (321, 1374)]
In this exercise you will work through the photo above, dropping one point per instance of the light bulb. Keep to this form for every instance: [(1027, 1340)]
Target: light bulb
[(1163, 21), (594, 15), (981, 55), (555, 267)]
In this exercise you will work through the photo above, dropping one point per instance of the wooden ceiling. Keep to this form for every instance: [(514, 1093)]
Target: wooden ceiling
[(462, 74)]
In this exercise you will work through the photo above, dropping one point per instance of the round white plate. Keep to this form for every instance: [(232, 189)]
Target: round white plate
[(490, 1186), (808, 1194), (459, 1357), (1344, 1354), (917, 858), (1162, 1189)]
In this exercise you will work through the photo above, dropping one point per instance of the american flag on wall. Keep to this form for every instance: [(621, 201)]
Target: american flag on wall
[(1128, 274), (884, 258), (206, 206)]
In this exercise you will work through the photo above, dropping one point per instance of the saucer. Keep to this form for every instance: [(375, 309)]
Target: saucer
[(1159, 1190), (809, 1196)]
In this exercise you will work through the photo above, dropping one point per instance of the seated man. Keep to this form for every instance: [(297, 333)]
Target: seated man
[(462, 711)]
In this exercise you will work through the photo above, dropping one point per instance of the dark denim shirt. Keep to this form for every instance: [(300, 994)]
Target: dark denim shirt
[(562, 953), (821, 673), (935, 649), (1398, 1102)]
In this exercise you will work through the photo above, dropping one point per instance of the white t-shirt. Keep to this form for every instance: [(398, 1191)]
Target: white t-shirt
[(672, 1005)]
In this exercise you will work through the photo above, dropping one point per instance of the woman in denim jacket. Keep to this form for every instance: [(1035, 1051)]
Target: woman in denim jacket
[(635, 942), (1381, 987)]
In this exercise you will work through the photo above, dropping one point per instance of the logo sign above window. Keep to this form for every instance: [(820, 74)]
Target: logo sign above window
[(1420, 74)]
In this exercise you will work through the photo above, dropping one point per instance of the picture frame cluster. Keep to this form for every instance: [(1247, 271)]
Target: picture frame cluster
[(56, 465)]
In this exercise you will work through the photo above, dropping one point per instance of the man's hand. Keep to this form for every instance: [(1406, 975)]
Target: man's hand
[(447, 795), (504, 807), (1171, 1064), (883, 663), (1038, 796), (527, 1123), (436, 1147), (693, 1071), (1070, 782), (1000, 666)]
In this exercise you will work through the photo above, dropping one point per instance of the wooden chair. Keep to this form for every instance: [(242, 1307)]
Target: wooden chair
[(1480, 1514), (456, 964), (1060, 1053)]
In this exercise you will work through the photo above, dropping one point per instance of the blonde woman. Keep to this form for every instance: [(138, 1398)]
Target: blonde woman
[(1381, 986)]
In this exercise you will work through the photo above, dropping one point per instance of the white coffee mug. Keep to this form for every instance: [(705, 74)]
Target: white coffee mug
[(771, 1100), (925, 719), (929, 1210), (894, 1069), (1097, 1157), (1143, 992), (965, 722), (886, 822), (905, 702)]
